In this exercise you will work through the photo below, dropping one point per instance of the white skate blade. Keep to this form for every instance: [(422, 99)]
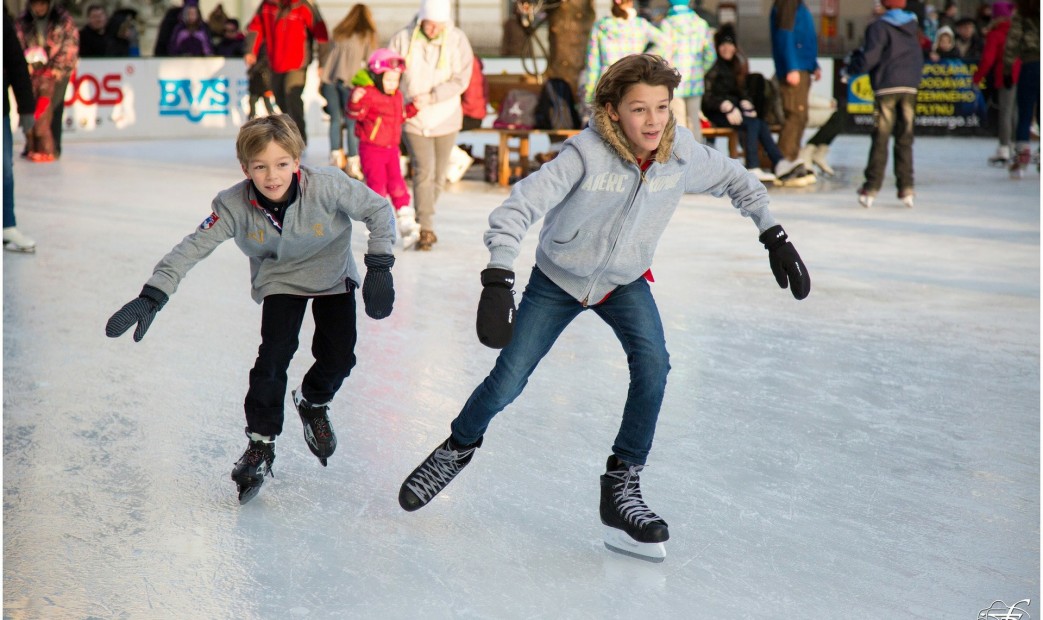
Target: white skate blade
[(621, 542)]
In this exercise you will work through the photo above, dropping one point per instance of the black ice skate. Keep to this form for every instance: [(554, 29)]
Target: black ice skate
[(317, 429), (435, 473), (253, 466), (632, 529)]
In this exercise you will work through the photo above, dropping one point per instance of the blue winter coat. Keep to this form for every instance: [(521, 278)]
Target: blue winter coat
[(794, 49), (891, 54)]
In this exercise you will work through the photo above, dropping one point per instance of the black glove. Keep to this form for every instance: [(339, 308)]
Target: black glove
[(378, 289), (495, 323), (141, 311), (785, 262)]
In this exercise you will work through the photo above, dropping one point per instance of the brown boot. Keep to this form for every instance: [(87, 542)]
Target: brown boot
[(427, 239)]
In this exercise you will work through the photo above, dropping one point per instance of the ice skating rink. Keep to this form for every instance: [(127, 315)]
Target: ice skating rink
[(870, 452)]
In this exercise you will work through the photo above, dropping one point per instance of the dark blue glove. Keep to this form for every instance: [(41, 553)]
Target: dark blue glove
[(141, 311), (785, 262), (495, 324), (378, 289)]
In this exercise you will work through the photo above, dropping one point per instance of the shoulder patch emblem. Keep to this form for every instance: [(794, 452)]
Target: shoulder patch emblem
[(209, 222)]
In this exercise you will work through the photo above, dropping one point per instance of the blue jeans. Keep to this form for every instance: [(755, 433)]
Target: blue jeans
[(544, 312), (8, 174), (756, 132), (337, 97)]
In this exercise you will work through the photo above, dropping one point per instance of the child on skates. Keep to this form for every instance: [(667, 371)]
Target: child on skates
[(294, 224), (379, 110), (606, 198)]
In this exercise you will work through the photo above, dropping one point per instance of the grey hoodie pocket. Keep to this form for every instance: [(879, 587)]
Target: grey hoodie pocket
[(579, 255)]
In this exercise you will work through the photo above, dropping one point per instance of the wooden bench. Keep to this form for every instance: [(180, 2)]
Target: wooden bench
[(516, 141), (724, 132)]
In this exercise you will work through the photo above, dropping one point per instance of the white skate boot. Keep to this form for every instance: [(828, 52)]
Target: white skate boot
[(15, 241), (408, 228)]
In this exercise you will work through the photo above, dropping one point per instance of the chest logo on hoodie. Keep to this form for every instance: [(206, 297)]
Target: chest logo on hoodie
[(318, 230), (605, 182), (663, 183), (257, 235)]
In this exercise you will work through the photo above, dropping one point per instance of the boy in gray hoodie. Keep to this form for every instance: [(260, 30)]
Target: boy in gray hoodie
[(606, 200), (294, 224)]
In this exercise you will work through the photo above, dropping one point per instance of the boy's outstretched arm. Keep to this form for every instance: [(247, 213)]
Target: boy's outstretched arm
[(378, 287), (718, 175), (169, 272)]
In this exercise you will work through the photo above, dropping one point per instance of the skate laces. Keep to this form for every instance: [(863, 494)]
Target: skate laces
[(627, 493), (256, 452), (437, 471), (318, 421)]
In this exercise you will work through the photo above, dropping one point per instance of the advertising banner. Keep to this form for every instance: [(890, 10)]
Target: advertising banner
[(948, 102), (153, 98)]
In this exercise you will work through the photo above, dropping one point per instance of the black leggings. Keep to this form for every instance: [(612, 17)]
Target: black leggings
[(333, 347)]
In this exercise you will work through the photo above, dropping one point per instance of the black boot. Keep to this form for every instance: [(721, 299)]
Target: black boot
[(435, 473), (253, 466), (318, 432), (622, 506)]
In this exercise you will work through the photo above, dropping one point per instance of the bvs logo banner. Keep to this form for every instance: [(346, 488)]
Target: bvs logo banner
[(194, 99)]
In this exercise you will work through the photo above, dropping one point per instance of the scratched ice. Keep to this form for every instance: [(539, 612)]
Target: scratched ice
[(870, 452)]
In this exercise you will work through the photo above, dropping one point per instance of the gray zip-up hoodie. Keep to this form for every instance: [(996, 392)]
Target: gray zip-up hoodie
[(311, 257), (603, 216)]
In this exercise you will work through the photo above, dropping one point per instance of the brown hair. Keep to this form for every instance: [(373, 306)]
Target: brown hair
[(634, 69), (255, 135), (357, 23)]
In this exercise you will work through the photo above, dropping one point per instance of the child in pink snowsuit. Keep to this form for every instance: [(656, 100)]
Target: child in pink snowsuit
[(379, 112)]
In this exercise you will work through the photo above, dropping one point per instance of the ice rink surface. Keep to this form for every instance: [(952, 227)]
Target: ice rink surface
[(870, 452)]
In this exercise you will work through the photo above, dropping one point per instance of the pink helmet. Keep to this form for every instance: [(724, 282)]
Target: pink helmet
[(384, 60)]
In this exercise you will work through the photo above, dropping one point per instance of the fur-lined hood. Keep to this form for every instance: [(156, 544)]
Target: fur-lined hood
[(612, 133)]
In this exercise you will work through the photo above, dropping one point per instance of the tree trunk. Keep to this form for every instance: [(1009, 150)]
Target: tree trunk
[(569, 30)]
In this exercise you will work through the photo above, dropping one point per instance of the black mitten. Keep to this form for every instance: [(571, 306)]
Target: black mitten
[(378, 289), (495, 323), (785, 262), (141, 311)]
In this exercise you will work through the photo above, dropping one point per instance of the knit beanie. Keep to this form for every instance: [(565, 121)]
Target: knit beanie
[(435, 10), (1002, 9), (679, 2), (724, 34), (894, 4)]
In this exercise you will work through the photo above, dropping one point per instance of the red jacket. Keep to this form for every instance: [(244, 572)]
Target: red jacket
[(474, 99), (379, 117), (287, 28), (992, 56)]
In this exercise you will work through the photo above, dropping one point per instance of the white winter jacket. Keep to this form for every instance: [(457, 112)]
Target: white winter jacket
[(440, 68)]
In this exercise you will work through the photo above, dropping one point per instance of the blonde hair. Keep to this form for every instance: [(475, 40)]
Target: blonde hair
[(255, 135), (357, 23)]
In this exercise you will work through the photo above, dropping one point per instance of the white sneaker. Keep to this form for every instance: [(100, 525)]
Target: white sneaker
[(763, 176), (786, 168), (337, 158), (15, 241), (354, 168), (408, 229)]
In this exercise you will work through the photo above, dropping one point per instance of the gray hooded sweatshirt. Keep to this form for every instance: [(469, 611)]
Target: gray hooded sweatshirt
[(603, 216), (312, 256)]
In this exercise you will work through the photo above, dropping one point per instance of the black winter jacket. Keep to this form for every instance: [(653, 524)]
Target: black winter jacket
[(891, 54)]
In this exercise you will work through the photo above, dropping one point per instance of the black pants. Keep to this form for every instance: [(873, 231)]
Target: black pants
[(333, 348), (289, 96)]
